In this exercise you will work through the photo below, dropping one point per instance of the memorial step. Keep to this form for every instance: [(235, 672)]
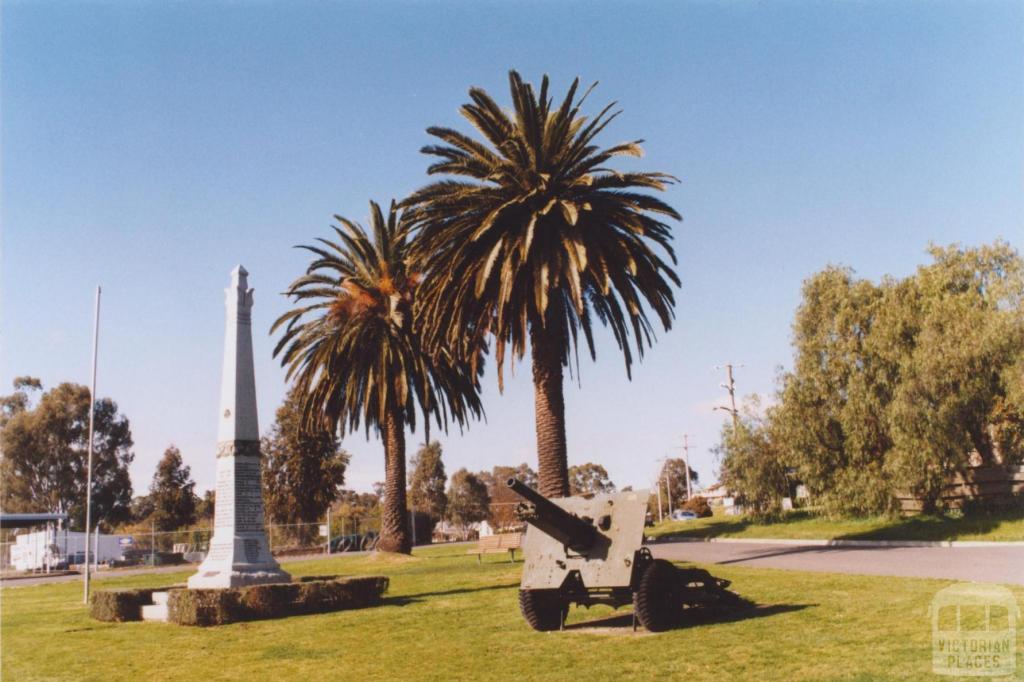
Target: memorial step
[(157, 611)]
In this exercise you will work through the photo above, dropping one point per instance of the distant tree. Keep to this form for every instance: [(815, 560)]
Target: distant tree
[(19, 401), (951, 400), (172, 492), (752, 465), (468, 500), (832, 420), (45, 453), (673, 475), (589, 478), (303, 468), (426, 485), (205, 505), (356, 512), (699, 506), (897, 385), (141, 508), (502, 500)]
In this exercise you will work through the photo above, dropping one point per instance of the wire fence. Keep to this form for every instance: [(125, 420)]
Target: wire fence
[(51, 548)]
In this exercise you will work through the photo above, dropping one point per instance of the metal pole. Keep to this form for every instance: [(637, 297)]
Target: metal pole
[(92, 417), (730, 386), (660, 517), (328, 529), (412, 522), (732, 397), (668, 489), (686, 461)]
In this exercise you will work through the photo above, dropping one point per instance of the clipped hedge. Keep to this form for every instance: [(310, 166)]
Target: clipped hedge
[(318, 594), (118, 606)]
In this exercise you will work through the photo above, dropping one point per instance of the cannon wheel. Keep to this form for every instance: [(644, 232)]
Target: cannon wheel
[(544, 610), (657, 601)]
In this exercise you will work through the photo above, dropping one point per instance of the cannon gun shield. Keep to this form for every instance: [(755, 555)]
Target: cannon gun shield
[(616, 522), (589, 550)]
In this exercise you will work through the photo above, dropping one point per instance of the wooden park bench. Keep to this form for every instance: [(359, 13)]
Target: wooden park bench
[(496, 544)]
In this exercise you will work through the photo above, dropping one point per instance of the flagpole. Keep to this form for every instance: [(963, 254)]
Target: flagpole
[(92, 416)]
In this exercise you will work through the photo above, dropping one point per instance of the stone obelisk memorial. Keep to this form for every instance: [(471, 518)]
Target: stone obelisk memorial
[(239, 553)]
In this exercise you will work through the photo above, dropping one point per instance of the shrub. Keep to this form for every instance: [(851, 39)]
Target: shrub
[(699, 506), (204, 607), (318, 594), (268, 601), (118, 606)]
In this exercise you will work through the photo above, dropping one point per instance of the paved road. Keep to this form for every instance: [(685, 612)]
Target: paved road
[(982, 564)]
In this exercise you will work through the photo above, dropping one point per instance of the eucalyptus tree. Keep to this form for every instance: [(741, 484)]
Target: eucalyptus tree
[(534, 238), (44, 453), (351, 348)]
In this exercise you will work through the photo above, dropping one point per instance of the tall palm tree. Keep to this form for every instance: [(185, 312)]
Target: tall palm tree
[(536, 237), (350, 346)]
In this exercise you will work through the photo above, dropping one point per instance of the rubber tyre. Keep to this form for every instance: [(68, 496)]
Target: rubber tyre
[(657, 601), (544, 610)]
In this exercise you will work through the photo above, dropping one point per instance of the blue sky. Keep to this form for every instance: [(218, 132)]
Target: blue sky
[(149, 147)]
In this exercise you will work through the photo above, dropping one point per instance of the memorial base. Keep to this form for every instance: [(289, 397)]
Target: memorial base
[(235, 562)]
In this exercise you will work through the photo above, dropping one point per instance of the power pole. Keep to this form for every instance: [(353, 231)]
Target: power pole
[(686, 463), (668, 488), (92, 416), (730, 386), (660, 517)]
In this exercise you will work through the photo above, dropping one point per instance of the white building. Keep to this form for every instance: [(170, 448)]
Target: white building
[(48, 548)]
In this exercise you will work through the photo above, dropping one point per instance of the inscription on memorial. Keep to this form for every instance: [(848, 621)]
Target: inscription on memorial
[(238, 448), (248, 495), (224, 504), (219, 551), (252, 551)]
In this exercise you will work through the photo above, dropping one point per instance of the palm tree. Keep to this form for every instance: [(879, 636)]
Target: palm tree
[(350, 346), (534, 239)]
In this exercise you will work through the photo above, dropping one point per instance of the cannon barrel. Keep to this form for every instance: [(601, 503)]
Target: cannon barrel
[(547, 517)]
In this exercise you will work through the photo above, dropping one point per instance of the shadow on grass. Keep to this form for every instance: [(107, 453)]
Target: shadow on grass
[(413, 598), (705, 532), (699, 617), (923, 527), (934, 527), (721, 528)]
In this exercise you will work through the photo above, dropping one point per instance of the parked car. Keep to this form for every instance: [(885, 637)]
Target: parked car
[(683, 515)]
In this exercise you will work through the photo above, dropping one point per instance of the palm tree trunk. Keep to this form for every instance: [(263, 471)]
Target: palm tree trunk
[(549, 412), (394, 527)]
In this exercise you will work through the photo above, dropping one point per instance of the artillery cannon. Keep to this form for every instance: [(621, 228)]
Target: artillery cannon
[(589, 550)]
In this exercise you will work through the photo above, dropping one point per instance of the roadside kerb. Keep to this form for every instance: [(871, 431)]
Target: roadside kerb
[(847, 543)]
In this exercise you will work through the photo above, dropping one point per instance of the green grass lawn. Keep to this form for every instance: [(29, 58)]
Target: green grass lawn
[(803, 525), (447, 618)]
